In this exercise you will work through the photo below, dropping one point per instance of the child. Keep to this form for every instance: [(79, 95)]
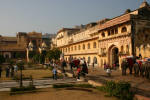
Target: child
[(54, 73), (108, 71)]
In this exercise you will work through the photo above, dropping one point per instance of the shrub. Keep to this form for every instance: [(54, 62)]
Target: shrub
[(121, 89), (72, 85), (17, 89), (62, 85), (83, 85)]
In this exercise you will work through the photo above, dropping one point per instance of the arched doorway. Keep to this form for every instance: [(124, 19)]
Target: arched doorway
[(113, 56)]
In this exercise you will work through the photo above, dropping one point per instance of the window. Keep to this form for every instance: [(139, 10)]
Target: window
[(89, 60), (122, 48), (146, 37), (95, 60), (112, 32), (127, 48), (103, 34), (75, 48), (71, 48), (88, 45), (124, 29), (108, 33), (83, 46), (79, 47), (116, 30), (66, 49), (94, 45)]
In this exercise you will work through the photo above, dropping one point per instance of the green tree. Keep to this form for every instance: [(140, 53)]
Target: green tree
[(32, 53), (20, 55), (54, 54), (36, 58)]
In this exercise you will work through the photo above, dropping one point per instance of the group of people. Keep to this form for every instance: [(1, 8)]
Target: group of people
[(137, 67), (78, 66), (10, 70)]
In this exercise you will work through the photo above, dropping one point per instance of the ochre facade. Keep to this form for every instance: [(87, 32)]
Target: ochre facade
[(109, 40)]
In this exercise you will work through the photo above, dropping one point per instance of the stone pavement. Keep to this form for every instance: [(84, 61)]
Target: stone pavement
[(42, 83)]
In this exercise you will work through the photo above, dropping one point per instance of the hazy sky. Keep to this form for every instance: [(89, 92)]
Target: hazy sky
[(51, 15)]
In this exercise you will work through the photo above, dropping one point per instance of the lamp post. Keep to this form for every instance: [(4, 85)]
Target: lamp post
[(20, 65)]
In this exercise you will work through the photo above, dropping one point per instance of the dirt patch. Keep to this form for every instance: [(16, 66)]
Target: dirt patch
[(59, 94)]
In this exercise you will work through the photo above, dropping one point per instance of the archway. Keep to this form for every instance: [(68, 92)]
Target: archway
[(113, 56)]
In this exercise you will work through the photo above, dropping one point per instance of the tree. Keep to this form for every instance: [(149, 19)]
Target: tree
[(32, 53), (57, 53), (36, 58), (54, 54), (20, 55)]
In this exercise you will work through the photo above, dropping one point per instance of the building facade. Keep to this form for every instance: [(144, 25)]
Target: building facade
[(11, 46), (109, 40)]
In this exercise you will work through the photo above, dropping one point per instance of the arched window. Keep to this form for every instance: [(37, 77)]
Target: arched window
[(95, 60), (103, 34), (112, 32), (94, 45), (116, 30), (127, 48), (122, 48), (89, 60), (75, 48), (79, 47), (124, 29), (83, 46), (108, 32), (88, 45), (71, 48)]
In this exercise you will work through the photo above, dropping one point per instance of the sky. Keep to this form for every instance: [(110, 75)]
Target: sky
[(49, 16)]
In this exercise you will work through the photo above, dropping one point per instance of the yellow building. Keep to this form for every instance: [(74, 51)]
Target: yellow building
[(109, 40)]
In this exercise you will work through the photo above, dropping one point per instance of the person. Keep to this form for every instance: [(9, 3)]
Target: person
[(130, 64), (84, 70), (15, 68), (93, 65), (0, 71), (142, 69), (108, 71), (105, 66), (136, 69), (7, 71), (63, 65), (78, 73), (71, 62), (114, 66), (12, 71), (124, 67), (54, 71)]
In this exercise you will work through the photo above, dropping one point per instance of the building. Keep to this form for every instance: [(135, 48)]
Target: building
[(109, 40), (12, 46)]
